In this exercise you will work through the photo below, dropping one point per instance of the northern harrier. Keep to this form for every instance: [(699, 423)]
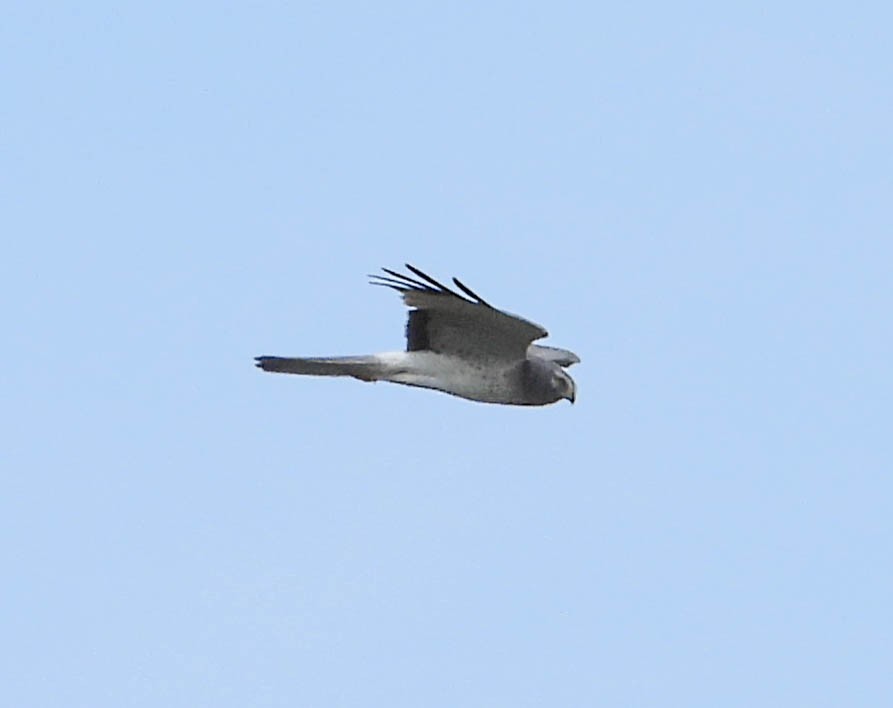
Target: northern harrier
[(456, 343)]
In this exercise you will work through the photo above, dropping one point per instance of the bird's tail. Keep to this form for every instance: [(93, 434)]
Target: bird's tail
[(365, 368)]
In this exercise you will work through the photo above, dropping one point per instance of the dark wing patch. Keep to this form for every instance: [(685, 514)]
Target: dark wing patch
[(417, 338), (460, 323), (417, 331)]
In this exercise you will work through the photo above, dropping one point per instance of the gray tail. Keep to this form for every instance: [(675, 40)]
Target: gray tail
[(365, 368)]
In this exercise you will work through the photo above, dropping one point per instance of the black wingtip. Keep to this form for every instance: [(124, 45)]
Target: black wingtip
[(424, 282), (437, 284), (471, 293)]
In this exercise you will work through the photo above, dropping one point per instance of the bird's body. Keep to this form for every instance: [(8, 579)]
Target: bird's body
[(458, 345)]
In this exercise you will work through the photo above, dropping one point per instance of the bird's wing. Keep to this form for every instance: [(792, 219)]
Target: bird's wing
[(562, 357), (464, 325)]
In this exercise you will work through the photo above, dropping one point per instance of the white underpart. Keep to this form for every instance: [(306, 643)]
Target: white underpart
[(446, 373)]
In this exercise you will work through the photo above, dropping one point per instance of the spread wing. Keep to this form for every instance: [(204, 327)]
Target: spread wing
[(447, 322), (562, 357)]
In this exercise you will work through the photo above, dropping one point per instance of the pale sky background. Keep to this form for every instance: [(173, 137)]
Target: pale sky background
[(696, 199)]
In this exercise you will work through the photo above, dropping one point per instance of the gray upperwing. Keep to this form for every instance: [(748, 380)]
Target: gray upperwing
[(562, 357)]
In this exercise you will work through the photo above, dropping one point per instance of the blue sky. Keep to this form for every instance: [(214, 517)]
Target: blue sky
[(696, 199)]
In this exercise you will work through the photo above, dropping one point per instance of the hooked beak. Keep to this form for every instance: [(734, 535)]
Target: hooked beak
[(570, 388)]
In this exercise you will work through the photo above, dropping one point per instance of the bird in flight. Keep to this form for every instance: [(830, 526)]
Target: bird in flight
[(456, 343)]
